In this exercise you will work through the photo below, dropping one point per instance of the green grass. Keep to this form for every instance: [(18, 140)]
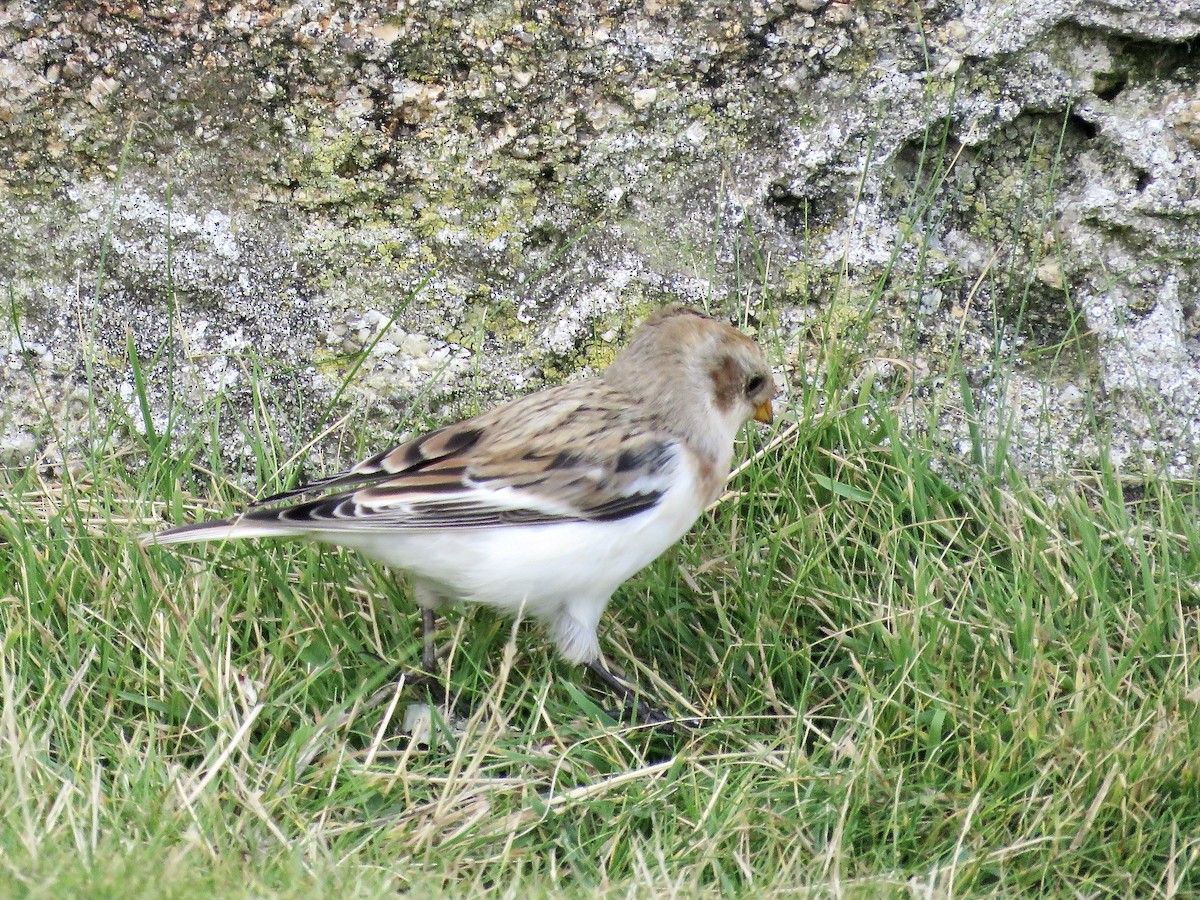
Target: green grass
[(917, 676)]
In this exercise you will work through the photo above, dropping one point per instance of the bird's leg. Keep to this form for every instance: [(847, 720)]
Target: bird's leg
[(428, 599), (401, 676), (429, 655), (428, 676), (642, 711)]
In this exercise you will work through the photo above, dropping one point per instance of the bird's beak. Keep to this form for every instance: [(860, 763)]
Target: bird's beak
[(764, 413)]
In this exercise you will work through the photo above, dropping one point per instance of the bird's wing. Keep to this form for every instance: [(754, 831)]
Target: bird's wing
[(576, 453)]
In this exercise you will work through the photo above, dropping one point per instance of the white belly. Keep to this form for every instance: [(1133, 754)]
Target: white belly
[(539, 569)]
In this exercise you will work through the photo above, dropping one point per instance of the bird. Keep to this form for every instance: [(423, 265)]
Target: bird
[(543, 506)]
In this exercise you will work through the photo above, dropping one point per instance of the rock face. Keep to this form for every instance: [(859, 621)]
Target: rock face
[(252, 196)]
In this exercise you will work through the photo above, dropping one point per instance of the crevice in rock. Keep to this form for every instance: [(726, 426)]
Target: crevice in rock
[(1089, 130), (1109, 87), (800, 207)]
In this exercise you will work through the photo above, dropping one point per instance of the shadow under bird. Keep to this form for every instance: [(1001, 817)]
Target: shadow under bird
[(544, 505)]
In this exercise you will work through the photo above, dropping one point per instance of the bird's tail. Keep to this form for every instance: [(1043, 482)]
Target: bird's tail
[(224, 530)]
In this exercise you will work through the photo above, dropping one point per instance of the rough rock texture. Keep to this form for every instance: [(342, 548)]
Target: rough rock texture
[(252, 195)]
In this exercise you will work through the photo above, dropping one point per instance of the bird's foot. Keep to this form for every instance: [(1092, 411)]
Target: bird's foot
[(633, 707)]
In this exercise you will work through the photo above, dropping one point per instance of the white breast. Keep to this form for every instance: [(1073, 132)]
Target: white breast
[(540, 569)]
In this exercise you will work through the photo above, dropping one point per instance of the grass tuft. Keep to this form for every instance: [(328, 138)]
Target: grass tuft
[(915, 674)]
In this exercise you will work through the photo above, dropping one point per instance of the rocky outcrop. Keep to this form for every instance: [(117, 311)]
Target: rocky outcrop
[(252, 196)]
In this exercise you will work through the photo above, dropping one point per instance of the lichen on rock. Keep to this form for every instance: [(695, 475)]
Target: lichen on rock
[(483, 199)]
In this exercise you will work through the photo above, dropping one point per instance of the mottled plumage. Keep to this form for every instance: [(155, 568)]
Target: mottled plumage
[(545, 504)]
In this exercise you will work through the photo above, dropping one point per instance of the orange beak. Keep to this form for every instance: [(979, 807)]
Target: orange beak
[(764, 413)]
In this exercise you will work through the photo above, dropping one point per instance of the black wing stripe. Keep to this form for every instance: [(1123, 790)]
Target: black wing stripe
[(343, 513), (337, 482), (448, 479), (650, 457), (623, 507)]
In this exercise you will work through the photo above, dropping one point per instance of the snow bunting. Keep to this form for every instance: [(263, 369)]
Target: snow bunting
[(545, 504)]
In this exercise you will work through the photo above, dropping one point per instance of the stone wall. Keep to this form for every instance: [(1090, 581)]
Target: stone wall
[(486, 196)]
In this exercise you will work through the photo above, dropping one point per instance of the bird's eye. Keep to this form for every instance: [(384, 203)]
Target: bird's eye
[(754, 384)]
